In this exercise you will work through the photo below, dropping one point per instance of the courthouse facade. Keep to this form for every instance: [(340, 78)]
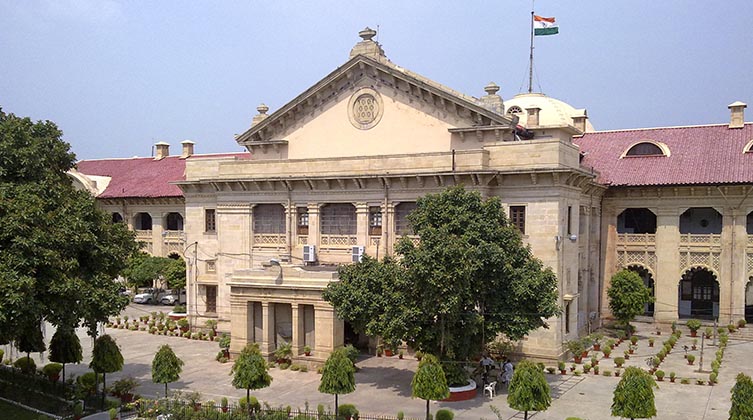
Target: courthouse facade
[(333, 174)]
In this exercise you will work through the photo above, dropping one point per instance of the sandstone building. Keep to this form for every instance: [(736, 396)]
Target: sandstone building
[(332, 175)]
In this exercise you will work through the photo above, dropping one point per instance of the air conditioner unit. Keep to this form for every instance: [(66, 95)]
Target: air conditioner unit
[(309, 253), (357, 253)]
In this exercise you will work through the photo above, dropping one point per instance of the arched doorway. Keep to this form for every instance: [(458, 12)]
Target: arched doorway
[(698, 294), (648, 281)]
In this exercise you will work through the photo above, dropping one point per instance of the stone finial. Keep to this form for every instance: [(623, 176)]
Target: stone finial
[(187, 148), (367, 46), (491, 89), (491, 100), (737, 114), (262, 109), (162, 150), (367, 33)]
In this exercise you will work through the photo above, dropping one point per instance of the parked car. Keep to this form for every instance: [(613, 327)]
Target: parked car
[(149, 296), (174, 298)]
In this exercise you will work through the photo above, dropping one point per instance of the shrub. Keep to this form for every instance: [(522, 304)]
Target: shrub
[(352, 353), (444, 414), (607, 372), (26, 365), (400, 415), (731, 327), (284, 365), (607, 351), (659, 374), (619, 361), (708, 332), (712, 377), (561, 365), (672, 375), (551, 369), (691, 358), (741, 323), (347, 411), (634, 339), (700, 381), (52, 369), (586, 368), (684, 381), (693, 324)]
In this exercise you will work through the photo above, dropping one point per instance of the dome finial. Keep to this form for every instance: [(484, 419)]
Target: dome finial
[(491, 89), (367, 34)]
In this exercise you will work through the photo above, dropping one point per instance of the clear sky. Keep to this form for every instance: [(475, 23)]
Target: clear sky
[(118, 76)]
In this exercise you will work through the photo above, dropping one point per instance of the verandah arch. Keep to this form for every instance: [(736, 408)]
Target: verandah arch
[(698, 294)]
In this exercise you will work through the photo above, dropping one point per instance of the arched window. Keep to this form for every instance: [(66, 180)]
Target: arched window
[(514, 110), (117, 218), (645, 149), (402, 225), (174, 221), (142, 221)]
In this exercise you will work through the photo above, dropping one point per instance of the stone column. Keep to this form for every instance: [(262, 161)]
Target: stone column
[(330, 331), (388, 229), (298, 329), (289, 227), (668, 268), (609, 232), (293, 228), (314, 225), (362, 224), (158, 242), (268, 330), (732, 271), (241, 320)]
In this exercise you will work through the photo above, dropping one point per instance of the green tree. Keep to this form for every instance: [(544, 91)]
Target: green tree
[(143, 268), (106, 358), (628, 296), (429, 382), (65, 347), (29, 338), (59, 254), (338, 375), (469, 279), (742, 398), (528, 389), (166, 366), (250, 370), (634, 395)]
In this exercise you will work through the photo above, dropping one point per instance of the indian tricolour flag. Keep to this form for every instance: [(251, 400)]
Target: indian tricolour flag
[(544, 26)]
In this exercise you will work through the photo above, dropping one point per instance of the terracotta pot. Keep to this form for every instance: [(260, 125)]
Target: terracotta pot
[(672, 380), (690, 363), (630, 351), (563, 371), (126, 398), (693, 333), (584, 354), (53, 378), (224, 409), (388, 353), (597, 347), (578, 359), (651, 344), (308, 353), (617, 374)]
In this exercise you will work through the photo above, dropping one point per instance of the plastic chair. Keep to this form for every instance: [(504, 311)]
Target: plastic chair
[(491, 388)]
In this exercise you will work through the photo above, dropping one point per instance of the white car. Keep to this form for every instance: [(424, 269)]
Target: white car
[(149, 296), (174, 298)]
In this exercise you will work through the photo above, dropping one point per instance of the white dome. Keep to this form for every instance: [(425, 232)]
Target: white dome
[(553, 111)]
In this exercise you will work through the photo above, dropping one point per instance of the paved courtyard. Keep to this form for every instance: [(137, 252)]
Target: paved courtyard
[(383, 384)]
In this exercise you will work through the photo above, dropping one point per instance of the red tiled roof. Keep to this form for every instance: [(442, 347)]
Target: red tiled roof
[(142, 177), (710, 154)]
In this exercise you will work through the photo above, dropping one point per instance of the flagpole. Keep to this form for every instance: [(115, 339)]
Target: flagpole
[(530, 62)]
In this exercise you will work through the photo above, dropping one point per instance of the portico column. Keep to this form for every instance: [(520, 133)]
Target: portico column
[(268, 328), (388, 229), (330, 330), (158, 241), (732, 271), (314, 225), (241, 320), (609, 233), (298, 329), (668, 267), (362, 224)]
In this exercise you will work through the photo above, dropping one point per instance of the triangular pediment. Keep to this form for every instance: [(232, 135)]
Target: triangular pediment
[(421, 103)]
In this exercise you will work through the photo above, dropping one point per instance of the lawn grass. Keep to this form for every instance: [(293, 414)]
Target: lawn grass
[(11, 411)]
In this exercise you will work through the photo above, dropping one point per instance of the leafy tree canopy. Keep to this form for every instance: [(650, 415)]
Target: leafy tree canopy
[(143, 268), (468, 279), (166, 366), (58, 253), (529, 390), (429, 382), (634, 396), (65, 346), (338, 374), (742, 398), (627, 295), (250, 370), (106, 356)]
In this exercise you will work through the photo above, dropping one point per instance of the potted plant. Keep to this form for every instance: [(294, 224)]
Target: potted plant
[(380, 350), (597, 341), (634, 340), (78, 410), (561, 367), (223, 404), (694, 344), (659, 375), (419, 355), (307, 350), (693, 325), (594, 361), (691, 359), (712, 378), (674, 327), (672, 377), (626, 354), (52, 370), (731, 328), (224, 344), (183, 325), (576, 348), (741, 323), (631, 349), (212, 325), (551, 370), (586, 368), (607, 351), (572, 367), (194, 400), (388, 351), (596, 370), (651, 342), (617, 372), (123, 388), (619, 361), (284, 353), (708, 332)]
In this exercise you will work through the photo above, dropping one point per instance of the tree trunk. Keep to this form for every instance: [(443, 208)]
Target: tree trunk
[(104, 387), (525, 415), (335, 406), (63, 373), (427, 409), (165, 389), (441, 342)]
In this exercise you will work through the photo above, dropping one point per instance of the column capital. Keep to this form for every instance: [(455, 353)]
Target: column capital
[(361, 207)]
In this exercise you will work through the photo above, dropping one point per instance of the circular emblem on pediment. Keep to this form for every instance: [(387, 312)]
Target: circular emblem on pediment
[(365, 108)]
